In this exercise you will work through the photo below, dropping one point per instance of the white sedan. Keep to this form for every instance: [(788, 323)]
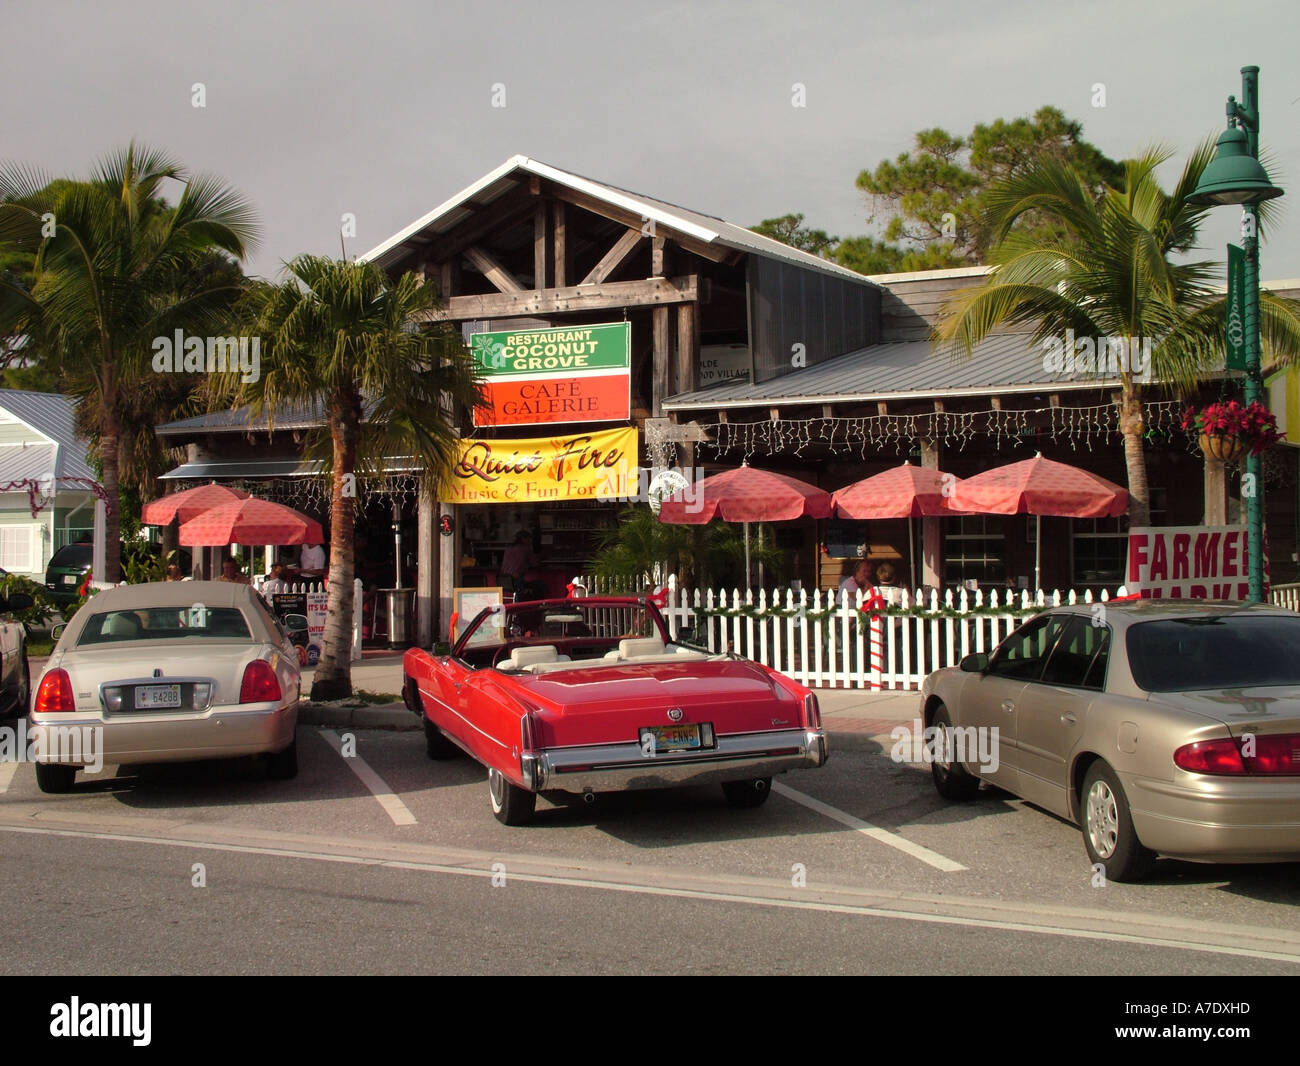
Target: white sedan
[(167, 672)]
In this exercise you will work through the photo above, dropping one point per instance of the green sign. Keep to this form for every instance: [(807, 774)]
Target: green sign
[(1236, 325), (553, 352)]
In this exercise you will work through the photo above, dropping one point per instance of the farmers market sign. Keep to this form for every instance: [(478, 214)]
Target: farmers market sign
[(578, 374), (579, 466)]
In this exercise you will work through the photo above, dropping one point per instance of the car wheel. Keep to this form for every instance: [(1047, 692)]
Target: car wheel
[(53, 777), (951, 780), (511, 804), (283, 765), (1108, 831), (751, 793), (436, 745)]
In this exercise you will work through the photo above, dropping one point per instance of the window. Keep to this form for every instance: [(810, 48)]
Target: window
[(1021, 655), (1079, 658), (1100, 551), (974, 547), (18, 548), (165, 623)]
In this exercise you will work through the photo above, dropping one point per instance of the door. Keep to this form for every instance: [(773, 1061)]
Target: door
[(1053, 712)]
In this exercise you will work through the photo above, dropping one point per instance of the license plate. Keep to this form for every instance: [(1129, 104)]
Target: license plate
[(673, 737), (148, 697), (69, 579)]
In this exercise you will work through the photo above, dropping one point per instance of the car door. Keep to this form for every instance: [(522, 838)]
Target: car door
[(1052, 712), (990, 700)]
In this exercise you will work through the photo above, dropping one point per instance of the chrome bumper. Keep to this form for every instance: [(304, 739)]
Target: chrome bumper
[(623, 767)]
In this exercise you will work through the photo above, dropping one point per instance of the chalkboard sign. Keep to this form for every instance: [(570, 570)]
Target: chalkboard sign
[(845, 540)]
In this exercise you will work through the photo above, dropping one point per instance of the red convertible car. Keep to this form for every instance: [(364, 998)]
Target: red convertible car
[(592, 695)]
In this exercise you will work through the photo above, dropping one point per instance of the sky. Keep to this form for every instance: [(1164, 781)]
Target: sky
[(315, 109)]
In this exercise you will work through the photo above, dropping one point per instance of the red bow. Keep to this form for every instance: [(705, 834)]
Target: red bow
[(659, 599), (874, 603)]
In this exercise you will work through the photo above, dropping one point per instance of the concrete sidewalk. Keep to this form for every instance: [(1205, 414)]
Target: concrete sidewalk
[(847, 714)]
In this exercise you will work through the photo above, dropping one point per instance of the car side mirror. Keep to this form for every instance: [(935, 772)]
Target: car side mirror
[(975, 664), (56, 630), (17, 601), (442, 648)]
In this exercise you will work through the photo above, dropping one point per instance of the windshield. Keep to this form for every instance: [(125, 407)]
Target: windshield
[(1215, 652), (609, 620), (165, 623)]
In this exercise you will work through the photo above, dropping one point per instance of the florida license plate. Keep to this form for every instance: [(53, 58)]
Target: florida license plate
[(151, 697), (673, 737)]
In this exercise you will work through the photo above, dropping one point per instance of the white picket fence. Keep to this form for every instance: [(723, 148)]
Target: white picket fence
[(1287, 596), (300, 587), (818, 641)]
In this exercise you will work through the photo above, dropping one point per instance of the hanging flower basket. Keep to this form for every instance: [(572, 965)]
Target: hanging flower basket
[(1224, 449), (1229, 430)]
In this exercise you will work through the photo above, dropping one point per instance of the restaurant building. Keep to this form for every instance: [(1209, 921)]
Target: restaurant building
[(616, 332)]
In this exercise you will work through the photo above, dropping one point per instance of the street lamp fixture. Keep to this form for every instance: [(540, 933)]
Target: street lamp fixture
[(1235, 176)]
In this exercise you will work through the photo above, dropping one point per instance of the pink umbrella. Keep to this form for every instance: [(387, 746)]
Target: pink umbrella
[(251, 521), (746, 495), (1040, 486), (905, 491), (188, 504)]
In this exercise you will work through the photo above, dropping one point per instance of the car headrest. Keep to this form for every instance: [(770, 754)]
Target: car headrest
[(121, 625), (635, 647), (540, 653)]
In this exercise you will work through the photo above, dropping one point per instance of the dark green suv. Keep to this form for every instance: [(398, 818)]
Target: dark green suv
[(65, 573)]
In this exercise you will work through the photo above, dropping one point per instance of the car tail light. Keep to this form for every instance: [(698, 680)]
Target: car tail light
[(55, 694), (1273, 753), (260, 685), (812, 713)]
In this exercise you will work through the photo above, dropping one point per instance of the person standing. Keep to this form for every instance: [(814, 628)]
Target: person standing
[(516, 563), (312, 561)]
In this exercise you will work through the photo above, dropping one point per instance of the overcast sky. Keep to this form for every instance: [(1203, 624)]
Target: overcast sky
[(385, 109)]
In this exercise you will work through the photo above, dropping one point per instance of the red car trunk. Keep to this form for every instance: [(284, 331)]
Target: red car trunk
[(600, 705)]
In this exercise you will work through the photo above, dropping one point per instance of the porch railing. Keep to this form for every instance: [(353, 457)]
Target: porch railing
[(823, 639)]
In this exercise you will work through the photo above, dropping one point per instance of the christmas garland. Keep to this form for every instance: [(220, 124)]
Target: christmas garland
[(866, 612)]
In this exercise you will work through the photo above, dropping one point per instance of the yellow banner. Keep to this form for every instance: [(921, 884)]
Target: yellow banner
[(578, 466)]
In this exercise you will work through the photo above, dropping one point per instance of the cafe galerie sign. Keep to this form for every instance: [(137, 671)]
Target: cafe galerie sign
[(571, 374), (580, 466)]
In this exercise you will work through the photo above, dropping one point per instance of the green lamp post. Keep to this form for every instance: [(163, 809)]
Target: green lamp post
[(1235, 176)]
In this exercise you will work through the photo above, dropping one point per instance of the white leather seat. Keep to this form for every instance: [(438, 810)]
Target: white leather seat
[(639, 647), (521, 658)]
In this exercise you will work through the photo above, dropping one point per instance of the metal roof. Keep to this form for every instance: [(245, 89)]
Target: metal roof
[(1005, 362), (288, 416), (53, 416), (260, 469), (702, 227)]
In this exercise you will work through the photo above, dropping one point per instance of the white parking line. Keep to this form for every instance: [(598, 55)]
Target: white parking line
[(393, 807), (933, 858), (7, 771)]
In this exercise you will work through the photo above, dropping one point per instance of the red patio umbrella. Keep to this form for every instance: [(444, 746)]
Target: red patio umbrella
[(1039, 486), (188, 504), (905, 491), (251, 521), (745, 495)]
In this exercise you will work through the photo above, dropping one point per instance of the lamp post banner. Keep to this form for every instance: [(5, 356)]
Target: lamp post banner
[(1189, 562), (1236, 324)]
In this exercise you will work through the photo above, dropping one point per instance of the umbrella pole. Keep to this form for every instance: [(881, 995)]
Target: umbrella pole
[(748, 582), (1038, 552)]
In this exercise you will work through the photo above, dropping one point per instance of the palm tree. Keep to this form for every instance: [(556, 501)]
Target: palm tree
[(114, 268), (1107, 272), (340, 335)]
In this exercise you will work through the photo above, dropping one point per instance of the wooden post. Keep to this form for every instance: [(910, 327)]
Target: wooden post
[(563, 268), (448, 569), (931, 531), (425, 566), (661, 360), (1216, 493), (539, 247)]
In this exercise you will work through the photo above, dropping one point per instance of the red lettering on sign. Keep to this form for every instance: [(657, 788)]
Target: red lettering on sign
[(1159, 561), (1207, 554), (1137, 556), (1182, 541), (1230, 555)]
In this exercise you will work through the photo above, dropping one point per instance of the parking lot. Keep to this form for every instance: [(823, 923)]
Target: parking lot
[(864, 834)]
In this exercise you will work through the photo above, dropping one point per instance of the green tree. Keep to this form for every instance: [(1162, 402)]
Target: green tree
[(112, 269), (342, 335), (1102, 267), (789, 229), (935, 196)]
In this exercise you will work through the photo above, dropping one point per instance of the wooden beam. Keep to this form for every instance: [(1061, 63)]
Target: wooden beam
[(722, 417), (996, 401), (539, 247), (449, 280), (613, 259), (534, 185), (662, 360), (774, 413), (502, 213), (658, 256), (559, 236), (483, 262), (882, 408), (827, 410), (711, 252), (688, 348), (938, 406), (611, 294)]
